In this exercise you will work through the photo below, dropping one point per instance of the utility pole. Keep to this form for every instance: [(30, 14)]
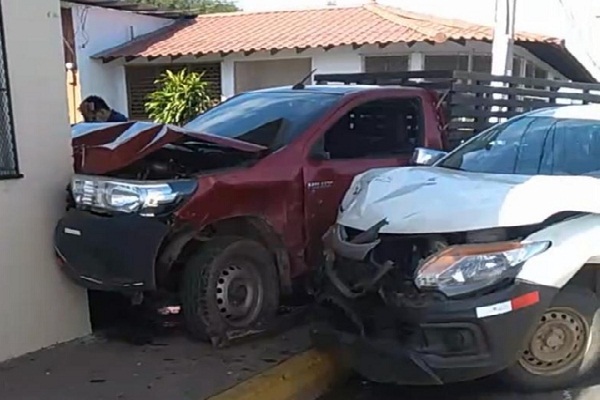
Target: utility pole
[(504, 37)]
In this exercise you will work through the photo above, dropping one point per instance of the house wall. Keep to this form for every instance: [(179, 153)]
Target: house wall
[(347, 60), (38, 306), (97, 29), (252, 75), (343, 59)]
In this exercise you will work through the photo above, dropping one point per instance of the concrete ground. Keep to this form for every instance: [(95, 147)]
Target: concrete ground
[(486, 389), (173, 368)]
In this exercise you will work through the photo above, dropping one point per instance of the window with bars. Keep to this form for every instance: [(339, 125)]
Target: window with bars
[(140, 83), (533, 71), (447, 63), (481, 64), (9, 166), (386, 63)]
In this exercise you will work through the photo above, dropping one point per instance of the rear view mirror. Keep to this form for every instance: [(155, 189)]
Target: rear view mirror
[(426, 157)]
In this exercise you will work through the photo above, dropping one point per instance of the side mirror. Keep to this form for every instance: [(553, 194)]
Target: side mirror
[(320, 155), (426, 157), (318, 152)]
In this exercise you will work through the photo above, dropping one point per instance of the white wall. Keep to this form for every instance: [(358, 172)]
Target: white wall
[(347, 60), (38, 305), (343, 59), (97, 29)]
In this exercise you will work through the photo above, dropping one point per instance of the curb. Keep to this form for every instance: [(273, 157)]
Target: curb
[(305, 376)]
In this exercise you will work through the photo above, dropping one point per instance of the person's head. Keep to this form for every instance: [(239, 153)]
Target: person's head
[(94, 109)]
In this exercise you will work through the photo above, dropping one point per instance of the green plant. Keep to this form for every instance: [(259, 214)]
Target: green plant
[(194, 6), (179, 97)]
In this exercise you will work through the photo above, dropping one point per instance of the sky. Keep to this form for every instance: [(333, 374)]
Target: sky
[(261, 5), (440, 7), (477, 11)]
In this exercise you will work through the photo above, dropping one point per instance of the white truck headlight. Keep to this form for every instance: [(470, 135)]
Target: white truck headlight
[(463, 269), (113, 195)]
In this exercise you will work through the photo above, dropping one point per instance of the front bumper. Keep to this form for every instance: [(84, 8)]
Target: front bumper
[(439, 343), (423, 338), (109, 253)]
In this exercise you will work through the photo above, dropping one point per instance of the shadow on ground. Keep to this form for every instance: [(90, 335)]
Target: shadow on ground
[(485, 389), (170, 367), (133, 356)]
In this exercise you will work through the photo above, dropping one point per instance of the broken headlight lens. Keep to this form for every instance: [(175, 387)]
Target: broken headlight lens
[(147, 199), (459, 270)]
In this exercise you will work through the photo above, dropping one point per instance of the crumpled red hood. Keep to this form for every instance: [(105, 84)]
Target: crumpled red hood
[(99, 148)]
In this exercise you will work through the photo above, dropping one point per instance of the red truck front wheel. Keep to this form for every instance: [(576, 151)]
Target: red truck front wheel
[(231, 284)]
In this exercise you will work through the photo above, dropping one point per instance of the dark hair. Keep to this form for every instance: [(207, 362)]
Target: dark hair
[(98, 102)]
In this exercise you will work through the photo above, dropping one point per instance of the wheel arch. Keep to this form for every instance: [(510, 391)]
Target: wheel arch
[(188, 241), (575, 247)]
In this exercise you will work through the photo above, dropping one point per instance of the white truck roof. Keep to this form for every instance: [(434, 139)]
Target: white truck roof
[(584, 112)]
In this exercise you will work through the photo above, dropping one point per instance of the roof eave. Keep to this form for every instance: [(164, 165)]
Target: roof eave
[(113, 53), (142, 9), (561, 59)]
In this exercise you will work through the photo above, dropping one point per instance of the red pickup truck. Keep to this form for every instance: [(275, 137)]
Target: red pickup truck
[(226, 214)]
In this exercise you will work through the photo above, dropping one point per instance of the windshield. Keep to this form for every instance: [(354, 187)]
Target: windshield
[(531, 145), (271, 119)]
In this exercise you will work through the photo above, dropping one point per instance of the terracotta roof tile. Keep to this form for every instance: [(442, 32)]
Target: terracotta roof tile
[(331, 27)]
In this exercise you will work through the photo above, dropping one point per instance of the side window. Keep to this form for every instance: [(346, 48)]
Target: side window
[(494, 151), (576, 148), (376, 129), (530, 158)]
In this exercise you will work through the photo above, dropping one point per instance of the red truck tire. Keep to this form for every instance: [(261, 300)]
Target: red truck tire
[(231, 284)]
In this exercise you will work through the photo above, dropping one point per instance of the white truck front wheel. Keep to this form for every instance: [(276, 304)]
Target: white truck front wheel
[(564, 346)]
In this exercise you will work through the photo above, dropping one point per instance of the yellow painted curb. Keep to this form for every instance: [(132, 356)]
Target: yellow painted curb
[(305, 376)]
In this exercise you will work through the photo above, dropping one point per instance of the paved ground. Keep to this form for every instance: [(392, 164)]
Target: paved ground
[(482, 390), (171, 368)]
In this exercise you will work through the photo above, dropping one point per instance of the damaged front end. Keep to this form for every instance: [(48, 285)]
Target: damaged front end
[(111, 235), (122, 204), (427, 267), (411, 309)]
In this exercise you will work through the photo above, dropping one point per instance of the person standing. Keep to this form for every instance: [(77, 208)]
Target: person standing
[(95, 109)]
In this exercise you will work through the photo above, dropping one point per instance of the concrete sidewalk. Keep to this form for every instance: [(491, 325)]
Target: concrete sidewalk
[(173, 368)]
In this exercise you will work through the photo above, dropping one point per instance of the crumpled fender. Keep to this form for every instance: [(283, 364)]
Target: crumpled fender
[(575, 242)]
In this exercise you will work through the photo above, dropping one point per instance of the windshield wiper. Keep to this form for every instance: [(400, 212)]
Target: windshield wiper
[(451, 167)]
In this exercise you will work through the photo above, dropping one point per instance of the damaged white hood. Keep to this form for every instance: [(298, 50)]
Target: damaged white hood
[(435, 200)]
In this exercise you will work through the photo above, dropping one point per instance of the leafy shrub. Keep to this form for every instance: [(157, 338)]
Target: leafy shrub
[(180, 97)]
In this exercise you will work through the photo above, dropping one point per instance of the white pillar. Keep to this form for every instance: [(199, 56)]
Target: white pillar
[(416, 61), (227, 78), (502, 47), (504, 30)]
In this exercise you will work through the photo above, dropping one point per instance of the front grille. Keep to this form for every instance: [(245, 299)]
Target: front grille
[(352, 233)]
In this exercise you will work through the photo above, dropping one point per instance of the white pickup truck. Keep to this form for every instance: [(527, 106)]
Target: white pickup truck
[(476, 262)]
